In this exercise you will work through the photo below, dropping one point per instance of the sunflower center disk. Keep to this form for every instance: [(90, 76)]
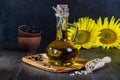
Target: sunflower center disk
[(107, 36), (83, 37)]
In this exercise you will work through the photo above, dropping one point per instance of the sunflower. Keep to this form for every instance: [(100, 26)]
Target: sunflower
[(87, 36), (109, 32)]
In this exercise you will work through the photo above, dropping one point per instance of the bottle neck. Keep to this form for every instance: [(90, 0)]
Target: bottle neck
[(61, 32)]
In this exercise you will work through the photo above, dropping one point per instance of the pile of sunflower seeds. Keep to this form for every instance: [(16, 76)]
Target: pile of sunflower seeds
[(83, 72)]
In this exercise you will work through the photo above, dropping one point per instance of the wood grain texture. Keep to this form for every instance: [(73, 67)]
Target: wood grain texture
[(12, 68)]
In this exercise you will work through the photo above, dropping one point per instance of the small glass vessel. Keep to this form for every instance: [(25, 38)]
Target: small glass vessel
[(61, 52)]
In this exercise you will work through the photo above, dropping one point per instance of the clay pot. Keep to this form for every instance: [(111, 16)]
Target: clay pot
[(28, 41)]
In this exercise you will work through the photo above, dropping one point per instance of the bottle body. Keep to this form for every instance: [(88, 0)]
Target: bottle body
[(61, 52)]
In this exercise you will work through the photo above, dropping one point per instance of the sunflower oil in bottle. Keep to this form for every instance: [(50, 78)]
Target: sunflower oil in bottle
[(61, 52)]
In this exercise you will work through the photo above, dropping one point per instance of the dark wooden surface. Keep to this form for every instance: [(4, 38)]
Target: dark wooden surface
[(11, 67)]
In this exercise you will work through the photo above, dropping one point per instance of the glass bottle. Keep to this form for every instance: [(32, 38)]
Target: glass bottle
[(61, 52)]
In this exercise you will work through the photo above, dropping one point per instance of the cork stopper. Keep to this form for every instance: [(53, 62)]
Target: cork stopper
[(63, 7)]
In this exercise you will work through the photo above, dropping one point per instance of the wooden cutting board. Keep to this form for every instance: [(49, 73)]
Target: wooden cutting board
[(41, 61)]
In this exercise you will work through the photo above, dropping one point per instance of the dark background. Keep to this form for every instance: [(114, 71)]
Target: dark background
[(39, 12)]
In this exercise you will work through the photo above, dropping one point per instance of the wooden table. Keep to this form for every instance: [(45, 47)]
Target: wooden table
[(12, 68)]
